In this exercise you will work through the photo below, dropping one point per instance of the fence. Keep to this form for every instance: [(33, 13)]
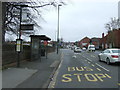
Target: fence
[(9, 54)]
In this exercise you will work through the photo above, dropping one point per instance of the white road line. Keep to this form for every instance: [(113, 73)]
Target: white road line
[(102, 67), (93, 65), (74, 56), (89, 59), (98, 69), (97, 64), (89, 62)]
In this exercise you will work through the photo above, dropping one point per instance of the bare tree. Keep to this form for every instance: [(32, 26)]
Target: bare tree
[(113, 24), (11, 14)]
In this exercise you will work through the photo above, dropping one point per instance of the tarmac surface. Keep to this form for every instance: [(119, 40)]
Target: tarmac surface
[(34, 74)]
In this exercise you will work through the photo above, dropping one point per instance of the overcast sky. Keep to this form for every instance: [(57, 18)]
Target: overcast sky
[(80, 18)]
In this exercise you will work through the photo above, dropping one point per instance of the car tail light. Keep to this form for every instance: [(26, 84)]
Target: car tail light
[(115, 56)]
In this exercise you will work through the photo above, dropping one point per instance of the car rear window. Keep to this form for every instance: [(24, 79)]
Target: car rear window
[(116, 51), (92, 47)]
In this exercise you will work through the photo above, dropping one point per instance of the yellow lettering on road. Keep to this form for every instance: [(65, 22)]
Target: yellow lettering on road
[(80, 69), (71, 68), (100, 76), (66, 78), (88, 69), (108, 76), (94, 79), (78, 77), (88, 76)]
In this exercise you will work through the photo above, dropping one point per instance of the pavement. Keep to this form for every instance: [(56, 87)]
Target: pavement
[(34, 74)]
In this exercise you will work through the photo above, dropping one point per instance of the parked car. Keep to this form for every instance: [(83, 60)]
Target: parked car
[(91, 47), (110, 56), (77, 49), (83, 48)]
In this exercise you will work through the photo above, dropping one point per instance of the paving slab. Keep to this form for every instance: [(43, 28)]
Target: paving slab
[(14, 76)]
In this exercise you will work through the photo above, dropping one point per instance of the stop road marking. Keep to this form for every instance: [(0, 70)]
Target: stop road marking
[(88, 76)]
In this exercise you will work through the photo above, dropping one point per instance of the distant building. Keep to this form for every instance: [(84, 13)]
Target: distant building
[(84, 42), (96, 41)]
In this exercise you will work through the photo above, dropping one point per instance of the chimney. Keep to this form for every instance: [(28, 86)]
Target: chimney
[(102, 35)]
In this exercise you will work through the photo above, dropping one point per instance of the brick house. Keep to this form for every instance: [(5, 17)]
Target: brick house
[(84, 42), (111, 40)]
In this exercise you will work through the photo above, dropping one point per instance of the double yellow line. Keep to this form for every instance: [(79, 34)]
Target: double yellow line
[(118, 84)]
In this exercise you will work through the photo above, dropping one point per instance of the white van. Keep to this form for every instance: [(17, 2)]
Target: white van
[(91, 47)]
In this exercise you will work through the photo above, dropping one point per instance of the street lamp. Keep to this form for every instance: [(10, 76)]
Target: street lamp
[(58, 29)]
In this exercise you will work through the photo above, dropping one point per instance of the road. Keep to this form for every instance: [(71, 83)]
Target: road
[(83, 70)]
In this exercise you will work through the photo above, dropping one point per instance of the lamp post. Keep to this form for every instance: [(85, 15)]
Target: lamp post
[(58, 29)]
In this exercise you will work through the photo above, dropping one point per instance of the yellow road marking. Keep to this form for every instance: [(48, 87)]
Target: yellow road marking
[(100, 76), (78, 77), (52, 87), (93, 65), (94, 79), (108, 76), (119, 84), (80, 69), (53, 83), (98, 69), (88, 69), (71, 68), (66, 78)]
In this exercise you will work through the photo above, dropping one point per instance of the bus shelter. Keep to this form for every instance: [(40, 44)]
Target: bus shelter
[(38, 46)]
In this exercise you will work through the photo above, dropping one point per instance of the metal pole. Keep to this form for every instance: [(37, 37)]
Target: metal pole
[(18, 61), (58, 31), (46, 52), (20, 22)]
